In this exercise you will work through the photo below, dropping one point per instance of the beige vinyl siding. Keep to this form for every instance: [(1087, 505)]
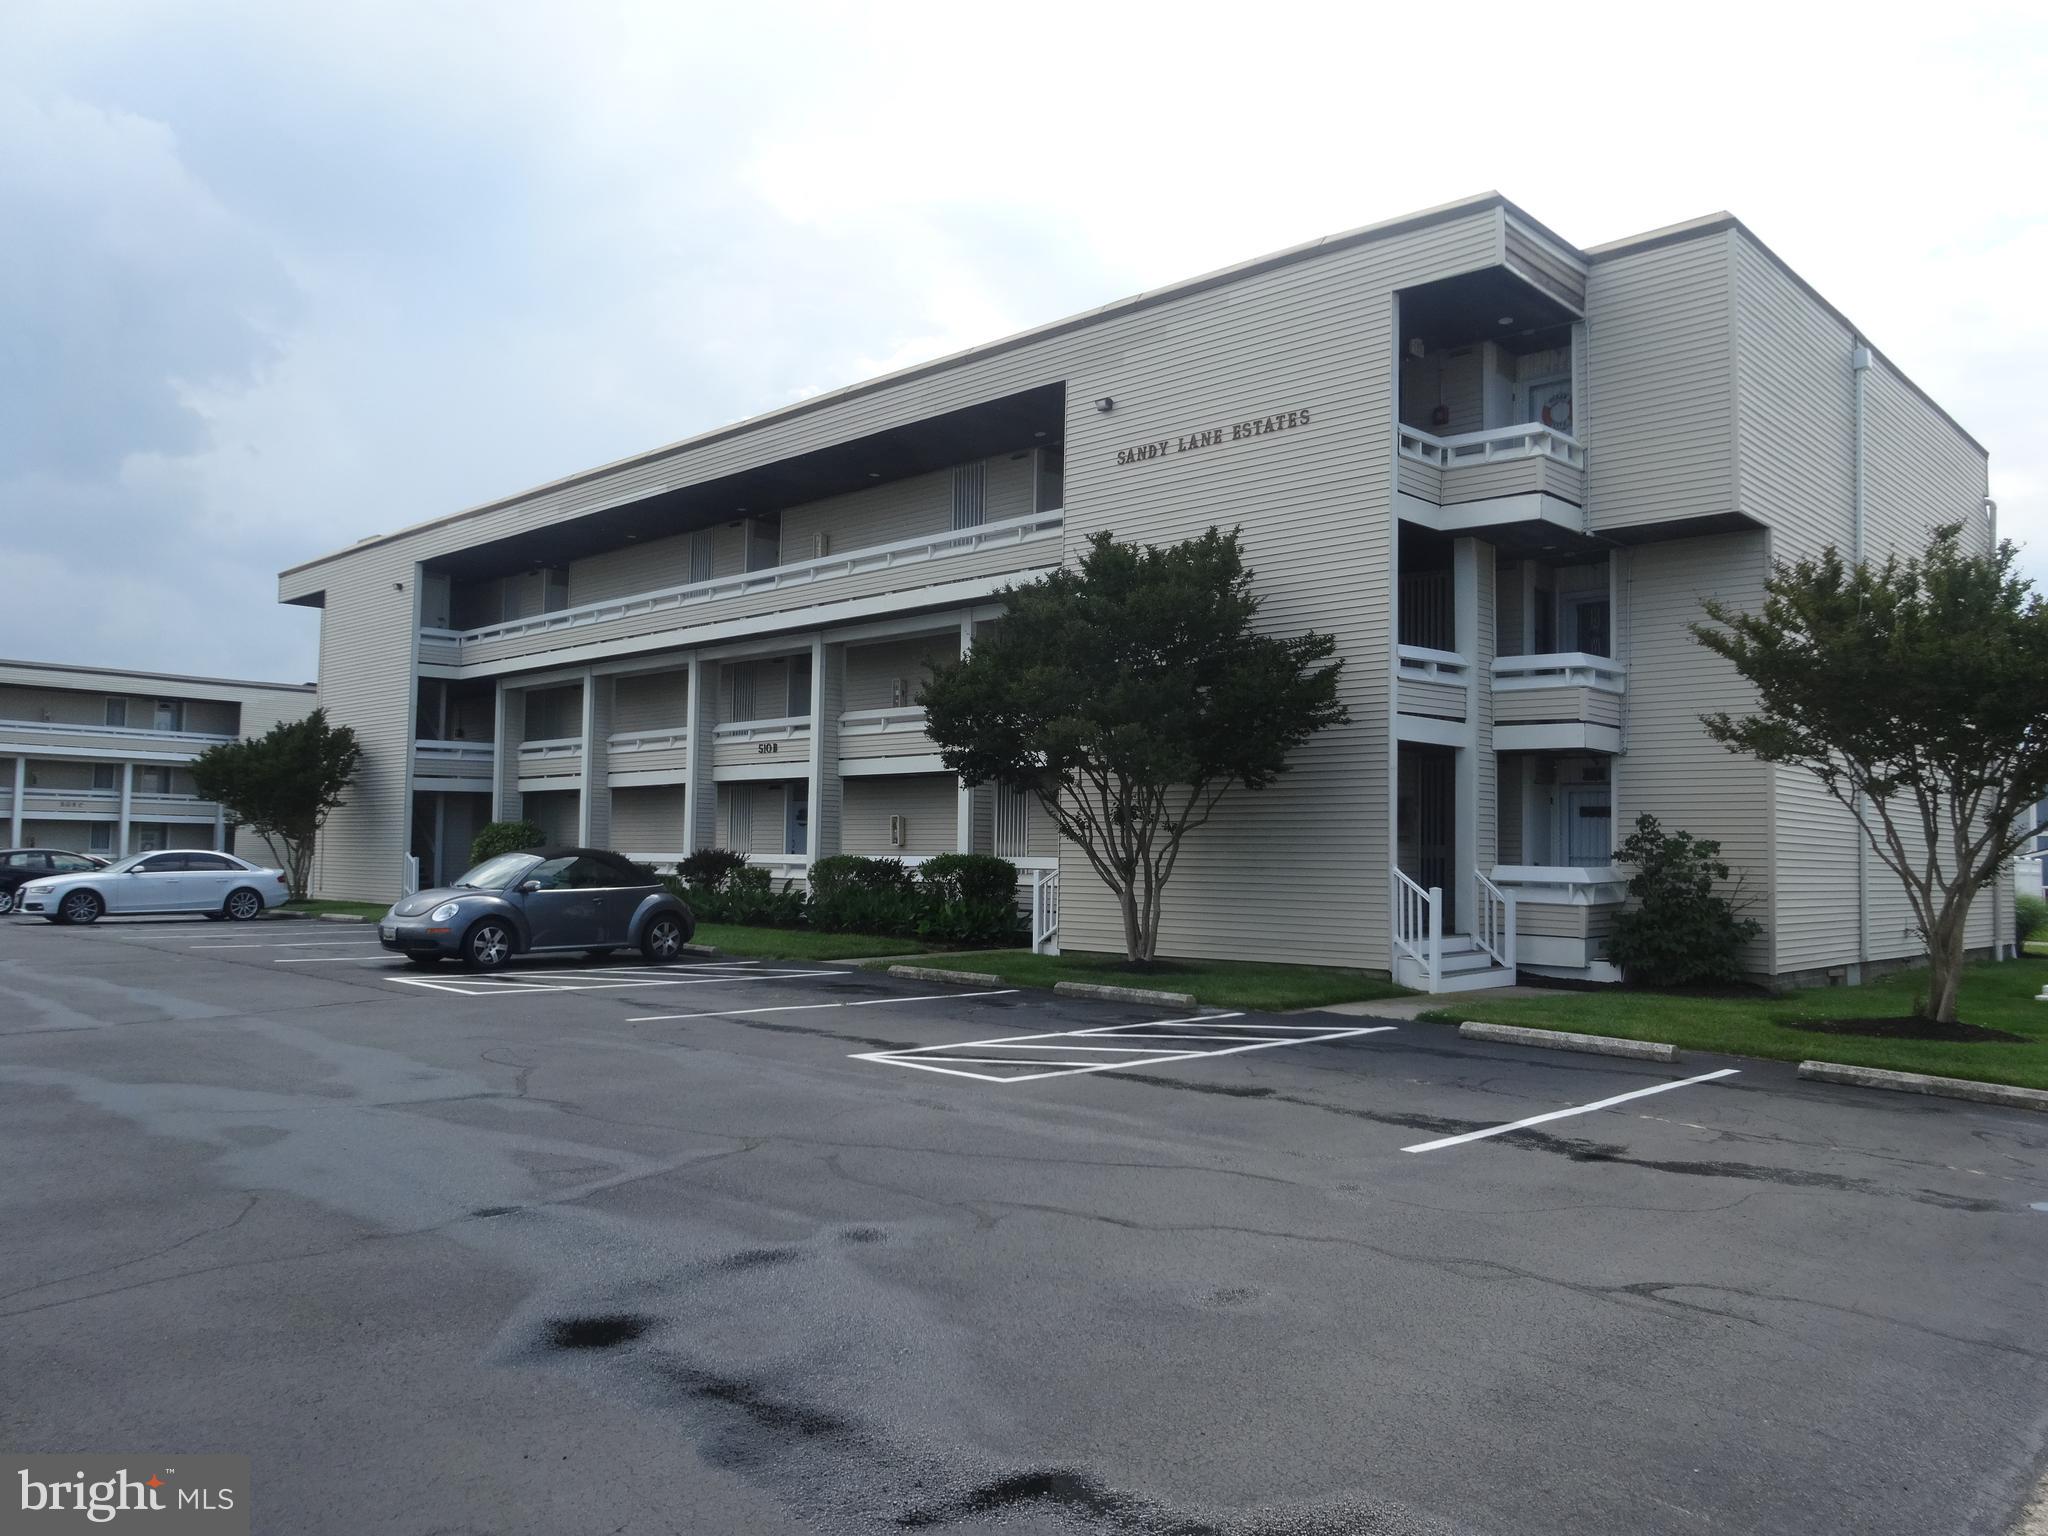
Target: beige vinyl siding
[(554, 812), (1558, 274), (930, 801), (1795, 414), (647, 566), (368, 636), (1672, 770), (651, 701), (872, 671), (1510, 477), (1660, 375), (1508, 787), (648, 819), (1441, 701), (1527, 706)]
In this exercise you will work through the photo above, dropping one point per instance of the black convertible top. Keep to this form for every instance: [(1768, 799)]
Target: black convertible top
[(639, 871)]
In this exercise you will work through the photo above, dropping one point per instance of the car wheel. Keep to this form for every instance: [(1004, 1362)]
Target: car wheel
[(80, 907), (242, 904), (6, 903), (488, 946), (663, 941)]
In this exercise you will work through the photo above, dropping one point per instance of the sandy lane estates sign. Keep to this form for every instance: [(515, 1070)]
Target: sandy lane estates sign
[(1211, 437)]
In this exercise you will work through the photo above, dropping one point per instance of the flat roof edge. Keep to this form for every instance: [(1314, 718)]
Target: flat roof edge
[(1144, 299), (157, 677)]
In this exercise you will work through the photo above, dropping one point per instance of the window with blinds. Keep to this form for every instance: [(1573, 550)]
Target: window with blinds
[(970, 495)]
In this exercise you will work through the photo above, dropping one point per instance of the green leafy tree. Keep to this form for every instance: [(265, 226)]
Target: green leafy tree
[(1911, 691), (284, 784), (496, 837), (1680, 931), (1129, 694)]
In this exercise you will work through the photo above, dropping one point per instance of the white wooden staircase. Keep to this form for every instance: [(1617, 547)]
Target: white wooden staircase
[(1430, 960)]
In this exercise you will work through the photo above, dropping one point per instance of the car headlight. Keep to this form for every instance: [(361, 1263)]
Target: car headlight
[(442, 913)]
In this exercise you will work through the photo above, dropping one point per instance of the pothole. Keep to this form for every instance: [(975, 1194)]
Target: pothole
[(605, 1331)]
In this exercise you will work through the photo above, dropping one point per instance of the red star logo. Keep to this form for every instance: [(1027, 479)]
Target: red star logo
[(154, 1481)]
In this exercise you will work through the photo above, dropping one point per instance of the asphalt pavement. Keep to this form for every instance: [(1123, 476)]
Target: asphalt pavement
[(734, 1248)]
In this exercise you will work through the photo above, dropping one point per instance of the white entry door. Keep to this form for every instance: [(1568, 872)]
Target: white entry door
[(1588, 826)]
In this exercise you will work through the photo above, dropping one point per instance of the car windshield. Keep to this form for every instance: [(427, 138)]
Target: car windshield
[(498, 874)]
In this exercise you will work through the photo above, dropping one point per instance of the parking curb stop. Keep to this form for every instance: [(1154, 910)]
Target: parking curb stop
[(341, 917), (2002, 1094), (1561, 1040), (930, 973), (1124, 994)]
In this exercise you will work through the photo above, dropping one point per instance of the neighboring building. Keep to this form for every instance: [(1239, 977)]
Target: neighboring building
[(2033, 858), (1501, 470), (98, 761)]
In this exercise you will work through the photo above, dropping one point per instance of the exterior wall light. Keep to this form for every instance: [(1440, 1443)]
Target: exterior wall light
[(1105, 405)]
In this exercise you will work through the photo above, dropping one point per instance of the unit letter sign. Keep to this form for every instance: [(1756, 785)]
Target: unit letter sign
[(1210, 437)]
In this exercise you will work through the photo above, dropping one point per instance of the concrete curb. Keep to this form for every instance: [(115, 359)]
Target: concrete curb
[(2001, 1094), (962, 978), (1124, 994), (702, 949), (340, 917), (1559, 1040)]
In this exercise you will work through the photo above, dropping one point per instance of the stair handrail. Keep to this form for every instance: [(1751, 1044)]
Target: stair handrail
[(1419, 926), (1493, 920)]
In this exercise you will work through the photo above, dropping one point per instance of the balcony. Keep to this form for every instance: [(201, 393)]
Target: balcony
[(886, 741), (1432, 683), (1563, 915), (1481, 466), (62, 804), (648, 757), (1567, 701), (761, 749), (57, 738), (454, 765), (554, 763), (938, 567)]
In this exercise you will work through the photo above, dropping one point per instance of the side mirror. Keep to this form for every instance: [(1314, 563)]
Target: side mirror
[(528, 887)]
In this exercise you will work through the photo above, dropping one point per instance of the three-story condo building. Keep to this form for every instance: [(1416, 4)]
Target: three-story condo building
[(99, 761), (1500, 469)]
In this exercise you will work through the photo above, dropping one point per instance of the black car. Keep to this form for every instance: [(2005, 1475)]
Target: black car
[(541, 900), (20, 865)]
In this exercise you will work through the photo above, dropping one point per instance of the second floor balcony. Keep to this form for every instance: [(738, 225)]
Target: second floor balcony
[(27, 738), (949, 566), (1560, 701), (1502, 461)]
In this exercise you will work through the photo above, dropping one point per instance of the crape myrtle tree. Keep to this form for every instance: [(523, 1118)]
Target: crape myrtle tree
[(1912, 691), (1129, 694), (284, 784)]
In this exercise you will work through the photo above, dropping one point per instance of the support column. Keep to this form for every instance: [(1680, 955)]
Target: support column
[(511, 722), (15, 806), (588, 755), (963, 835), (1474, 643), (220, 830), (700, 794), (127, 804), (827, 795)]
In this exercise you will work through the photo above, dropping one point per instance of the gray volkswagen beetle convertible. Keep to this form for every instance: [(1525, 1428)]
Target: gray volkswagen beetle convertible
[(544, 900)]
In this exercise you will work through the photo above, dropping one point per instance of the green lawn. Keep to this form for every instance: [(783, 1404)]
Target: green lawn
[(370, 909), (1218, 983), (1993, 996), (800, 943)]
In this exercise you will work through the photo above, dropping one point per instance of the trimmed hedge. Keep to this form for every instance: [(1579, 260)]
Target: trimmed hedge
[(955, 898), (504, 837)]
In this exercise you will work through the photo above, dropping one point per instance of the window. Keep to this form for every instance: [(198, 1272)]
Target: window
[(764, 542), (117, 711), (25, 861), (1051, 492), (700, 555), (587, 874), (1586, 625), (551, 873), (153, 781), (101, 838), (170, 715), (106, 775), (162, 864), (211, 861), (554, 590), (68, 863), (970, 495)]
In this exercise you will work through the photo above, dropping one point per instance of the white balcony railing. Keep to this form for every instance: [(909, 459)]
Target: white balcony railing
[(453, 759), (1528, 441), (1558, 669), (883, 722), (139, 735), (1420, 663), (556, 754), (452, 647), (1563, 885), (668, 739), (1419, 928)]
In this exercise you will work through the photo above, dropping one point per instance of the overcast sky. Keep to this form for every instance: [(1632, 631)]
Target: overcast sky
[(277, 276)]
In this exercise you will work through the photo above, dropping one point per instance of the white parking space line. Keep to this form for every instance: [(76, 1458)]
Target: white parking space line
[(287, 944), (530, 982), (1067, 1053), (725, 1013), (1561, 1114), (333, 959)]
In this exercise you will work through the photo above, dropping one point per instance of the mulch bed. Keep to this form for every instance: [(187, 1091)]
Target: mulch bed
[(1896, 1027)]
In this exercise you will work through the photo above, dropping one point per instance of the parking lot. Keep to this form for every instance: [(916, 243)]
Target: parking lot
[(739, 1247)]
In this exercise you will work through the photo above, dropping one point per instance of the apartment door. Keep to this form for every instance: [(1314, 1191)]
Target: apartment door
[(1588, 825), (1426, 823), (796, 818), (799, 701)]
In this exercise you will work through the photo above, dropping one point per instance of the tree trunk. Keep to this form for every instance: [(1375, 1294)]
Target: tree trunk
[(1945, 964), (1134, 927)]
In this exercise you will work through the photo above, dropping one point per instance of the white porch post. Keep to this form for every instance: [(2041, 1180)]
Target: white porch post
[(591, 766), (822, 788), (14, 806), (963, 839), (501, 762), (220, 830), (1465, 598), (700, 794), (127, 803)]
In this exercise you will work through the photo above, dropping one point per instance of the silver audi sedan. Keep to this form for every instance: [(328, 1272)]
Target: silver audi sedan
[(541, 901)]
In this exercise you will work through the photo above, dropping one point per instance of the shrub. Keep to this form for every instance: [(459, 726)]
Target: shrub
[(745, 895), (982, 924), (851, 894), (505, 837), (708, 868), (2030, 916), (975, 878), (1677, 931)]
